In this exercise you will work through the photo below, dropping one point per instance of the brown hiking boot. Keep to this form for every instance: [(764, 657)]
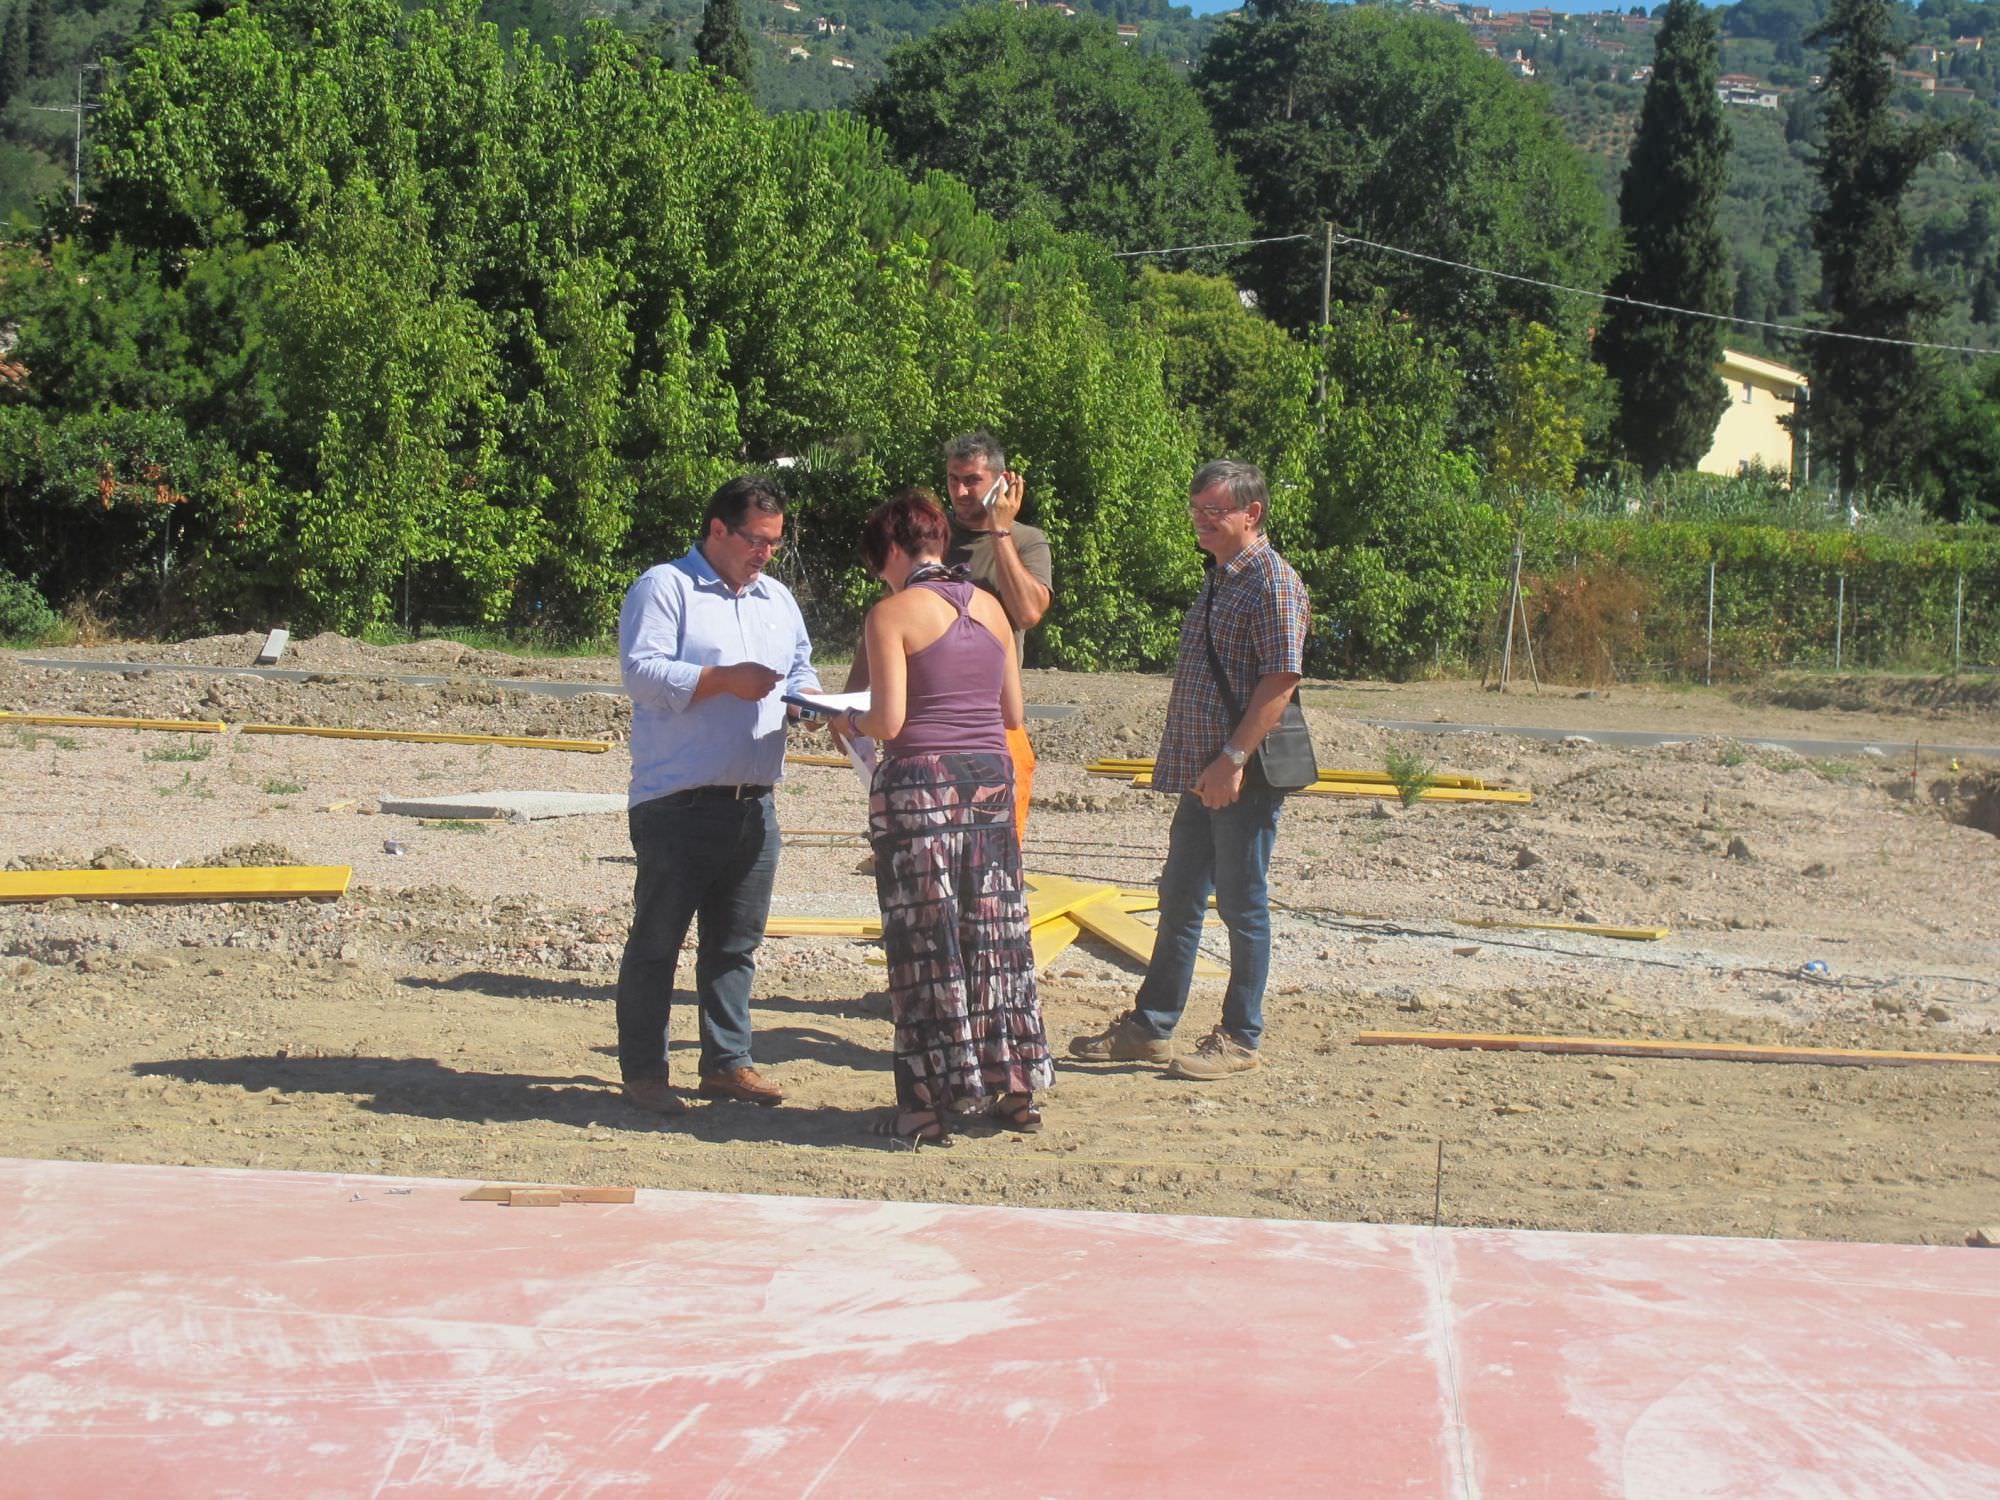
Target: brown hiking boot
[(1121, 1041), (745, 1085), (1219, 1055), (654, 1095)]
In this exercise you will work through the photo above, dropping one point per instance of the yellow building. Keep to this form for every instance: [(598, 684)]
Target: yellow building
[(1750, 430)]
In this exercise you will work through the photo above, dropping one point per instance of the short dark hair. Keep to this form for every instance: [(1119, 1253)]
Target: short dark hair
[(745, 493), (982, 445), (1244, 482), (911, 519)]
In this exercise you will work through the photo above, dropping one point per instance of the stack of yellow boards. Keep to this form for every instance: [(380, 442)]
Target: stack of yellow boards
[(1060, 910)]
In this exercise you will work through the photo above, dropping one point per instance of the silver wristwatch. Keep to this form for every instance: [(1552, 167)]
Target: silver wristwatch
[(1236, 757)]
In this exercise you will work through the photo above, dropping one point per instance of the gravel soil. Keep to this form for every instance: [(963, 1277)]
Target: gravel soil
[(451, 1015)]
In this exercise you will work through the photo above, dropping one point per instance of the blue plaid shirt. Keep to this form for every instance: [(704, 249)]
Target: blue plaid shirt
[(1259, 627)]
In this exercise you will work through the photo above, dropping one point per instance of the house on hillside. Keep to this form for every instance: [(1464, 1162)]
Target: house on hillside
[(1910, 78), (1969, 43), (1752, 430), (1925, 56), (1128, 33), (1742, 89)]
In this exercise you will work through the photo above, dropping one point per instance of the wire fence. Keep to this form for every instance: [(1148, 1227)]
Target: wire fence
[(1732, 621)]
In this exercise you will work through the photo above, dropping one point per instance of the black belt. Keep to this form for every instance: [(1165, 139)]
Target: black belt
[(737, 793)]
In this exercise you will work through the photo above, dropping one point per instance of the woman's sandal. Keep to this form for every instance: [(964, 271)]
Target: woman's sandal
[(928, 1131), (1017, 1112)]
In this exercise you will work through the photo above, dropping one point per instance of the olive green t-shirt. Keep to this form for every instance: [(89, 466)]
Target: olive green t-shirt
[(975, 550)]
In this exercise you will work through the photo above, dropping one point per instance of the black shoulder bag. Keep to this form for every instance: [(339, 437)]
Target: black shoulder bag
[(1284, 761)]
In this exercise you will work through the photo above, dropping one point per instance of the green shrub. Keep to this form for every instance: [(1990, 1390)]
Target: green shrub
[(24, 614)]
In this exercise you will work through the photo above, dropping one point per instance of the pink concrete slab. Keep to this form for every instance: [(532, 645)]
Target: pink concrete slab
[(171, 1332)]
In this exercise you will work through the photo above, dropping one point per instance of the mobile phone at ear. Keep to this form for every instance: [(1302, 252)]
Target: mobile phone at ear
[(993, 491)]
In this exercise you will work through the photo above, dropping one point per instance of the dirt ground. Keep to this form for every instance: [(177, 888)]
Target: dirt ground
[(451, 1015)]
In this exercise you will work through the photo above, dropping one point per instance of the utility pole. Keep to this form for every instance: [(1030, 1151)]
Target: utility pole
[(1325, 315), (79, 110)]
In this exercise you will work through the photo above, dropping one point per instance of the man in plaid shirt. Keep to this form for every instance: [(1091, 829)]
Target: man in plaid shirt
[(1255, 610)]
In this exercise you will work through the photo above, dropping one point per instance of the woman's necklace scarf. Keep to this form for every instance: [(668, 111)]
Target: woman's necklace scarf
[(937, 572)]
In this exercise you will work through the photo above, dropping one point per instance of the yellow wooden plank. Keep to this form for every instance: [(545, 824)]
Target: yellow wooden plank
[(1052, 939), (819, 760), (426, 737), (1102, 918), (231, 883), (1144, 782), (95, 721), (1698, 1051), (855, 927), (1110, 766), (1430, 794), (1596, 929), (1052, 896), (500, 1192)]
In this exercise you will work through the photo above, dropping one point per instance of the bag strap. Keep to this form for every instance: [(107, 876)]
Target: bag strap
[(1215, 662)]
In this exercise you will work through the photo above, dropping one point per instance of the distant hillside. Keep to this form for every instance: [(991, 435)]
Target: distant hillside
[(1593, 67), (809, 56), (816, 54)]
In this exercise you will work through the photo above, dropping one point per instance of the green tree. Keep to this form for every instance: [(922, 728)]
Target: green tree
[(721, 43), (1399, 131), (40, 60), (1547, 394), (1669, 395), (1870, 400), (1403, 556), (1245, 384), (1038, 112), (14, 54), (1962, 461)]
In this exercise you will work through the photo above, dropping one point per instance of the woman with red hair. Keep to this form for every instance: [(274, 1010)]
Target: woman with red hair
[(944, 689)]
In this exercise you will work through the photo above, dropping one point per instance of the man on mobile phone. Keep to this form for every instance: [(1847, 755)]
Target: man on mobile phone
[(1007, 559)]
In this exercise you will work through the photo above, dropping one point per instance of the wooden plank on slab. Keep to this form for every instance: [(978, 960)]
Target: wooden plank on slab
[(500, 1192)]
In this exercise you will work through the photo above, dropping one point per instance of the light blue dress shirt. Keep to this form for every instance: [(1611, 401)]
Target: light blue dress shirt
[(678, 618)]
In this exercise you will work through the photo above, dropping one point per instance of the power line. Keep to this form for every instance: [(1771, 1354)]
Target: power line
[(1276, 239), (1686, 312)]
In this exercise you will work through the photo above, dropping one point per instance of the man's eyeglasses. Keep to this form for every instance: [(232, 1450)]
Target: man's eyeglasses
[(771, 545), (1212, 512)]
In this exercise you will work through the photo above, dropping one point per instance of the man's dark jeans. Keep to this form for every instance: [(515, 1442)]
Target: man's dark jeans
[(1227, 851), (711, 861)]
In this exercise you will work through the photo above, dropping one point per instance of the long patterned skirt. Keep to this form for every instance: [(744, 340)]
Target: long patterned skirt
[(955, 926)]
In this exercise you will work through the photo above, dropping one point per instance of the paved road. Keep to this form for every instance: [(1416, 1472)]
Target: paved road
[(1890, 748)]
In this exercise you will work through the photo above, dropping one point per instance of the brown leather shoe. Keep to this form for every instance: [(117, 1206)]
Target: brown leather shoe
[(740, 1083), (655, 1095)]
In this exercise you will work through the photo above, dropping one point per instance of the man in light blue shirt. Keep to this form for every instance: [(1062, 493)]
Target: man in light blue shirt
[(708, 644)]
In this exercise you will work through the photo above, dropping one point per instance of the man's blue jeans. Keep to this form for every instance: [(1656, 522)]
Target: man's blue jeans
[(711, 861), (1227, 851)]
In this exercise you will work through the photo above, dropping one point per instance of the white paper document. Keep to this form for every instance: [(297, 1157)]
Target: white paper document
[(828, 704)]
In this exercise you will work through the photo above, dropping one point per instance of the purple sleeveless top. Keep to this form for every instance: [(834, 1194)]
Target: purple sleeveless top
[(954, 687)]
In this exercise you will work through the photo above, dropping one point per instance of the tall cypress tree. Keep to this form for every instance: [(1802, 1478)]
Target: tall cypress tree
[(14, 54), (721, 42), (1870, 401), (1669, 395), (39, 60)]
